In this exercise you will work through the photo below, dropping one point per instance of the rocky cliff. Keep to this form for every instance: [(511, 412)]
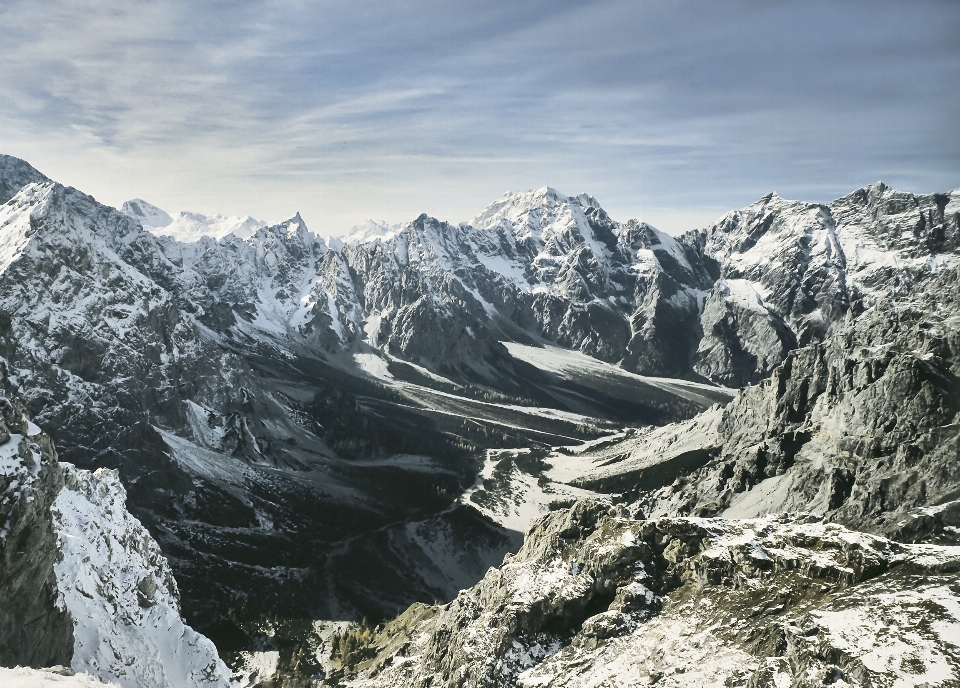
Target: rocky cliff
[(82, 583), (36, 629), (598, 597), (862, 428)]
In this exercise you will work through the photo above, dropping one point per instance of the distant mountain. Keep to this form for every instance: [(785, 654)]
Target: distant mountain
[(147, 214), (187, 226), (319, 431), (369, 230)]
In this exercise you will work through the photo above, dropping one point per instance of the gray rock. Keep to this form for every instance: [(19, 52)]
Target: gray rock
[(35, 630), (862, 428), (787, 600)]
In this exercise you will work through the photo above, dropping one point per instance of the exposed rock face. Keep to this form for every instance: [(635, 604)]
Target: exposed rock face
[(596, 597), (14, 175), (862, 428), (82, 583), (894, 240), (805, 264), (744, 339), (35, 630)]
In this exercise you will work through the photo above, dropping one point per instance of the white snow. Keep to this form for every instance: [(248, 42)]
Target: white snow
[(255, 667), (15, 227), (373, 365), (573, 363), (189, 226), (525, 499), (370, 230), (121, 593), (22, 677), (147, 214), (744, 293)]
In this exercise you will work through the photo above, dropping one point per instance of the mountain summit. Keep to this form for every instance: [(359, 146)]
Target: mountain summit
[(316, 433)]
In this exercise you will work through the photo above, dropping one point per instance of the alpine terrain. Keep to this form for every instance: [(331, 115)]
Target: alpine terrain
[(539, 448)]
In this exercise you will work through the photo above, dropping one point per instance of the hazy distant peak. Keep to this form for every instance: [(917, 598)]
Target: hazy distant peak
[(368, 230), (190, 226), (149, 215)]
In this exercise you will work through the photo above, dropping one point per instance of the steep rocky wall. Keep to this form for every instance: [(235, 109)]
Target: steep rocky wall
[(35, 629), (82, 582), (863, 428)]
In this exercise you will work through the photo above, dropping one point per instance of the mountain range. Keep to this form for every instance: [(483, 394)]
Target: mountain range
[(317, 431)]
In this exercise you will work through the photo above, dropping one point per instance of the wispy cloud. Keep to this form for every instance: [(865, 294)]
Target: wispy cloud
[(349, 109)]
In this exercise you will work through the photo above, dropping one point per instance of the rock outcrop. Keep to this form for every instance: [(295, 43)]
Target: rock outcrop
[(862, 428), (35, 628), (599, 597), (82, 583)]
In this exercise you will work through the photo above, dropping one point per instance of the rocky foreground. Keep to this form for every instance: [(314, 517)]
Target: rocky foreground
[(83, 585), (600, 596)]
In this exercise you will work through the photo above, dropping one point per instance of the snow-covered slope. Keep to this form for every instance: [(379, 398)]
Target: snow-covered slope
[(894, 240), (370, 230), (188, 226), (147, 214), (123, 598), (22, 677), (74, 559)]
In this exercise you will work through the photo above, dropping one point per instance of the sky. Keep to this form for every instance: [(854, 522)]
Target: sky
[(670, 111)]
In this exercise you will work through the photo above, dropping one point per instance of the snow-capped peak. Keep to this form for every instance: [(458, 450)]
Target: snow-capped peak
[(295, 225), (517, 207), (588, 201), (149, 215), (369, 230), (292, 231), (189, 226)]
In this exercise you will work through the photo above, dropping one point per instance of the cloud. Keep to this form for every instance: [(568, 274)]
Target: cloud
[(350, 109)]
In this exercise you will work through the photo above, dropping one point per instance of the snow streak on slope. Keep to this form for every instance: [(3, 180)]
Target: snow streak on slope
[(636, 455), (513, 489), (121, 593), (580, 367), (516, 487), (892, 239), (16, 227)]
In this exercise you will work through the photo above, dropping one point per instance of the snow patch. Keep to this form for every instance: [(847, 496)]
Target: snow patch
[(121, 593)]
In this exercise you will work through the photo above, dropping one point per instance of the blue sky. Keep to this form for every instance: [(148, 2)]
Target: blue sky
[(673, 112)]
